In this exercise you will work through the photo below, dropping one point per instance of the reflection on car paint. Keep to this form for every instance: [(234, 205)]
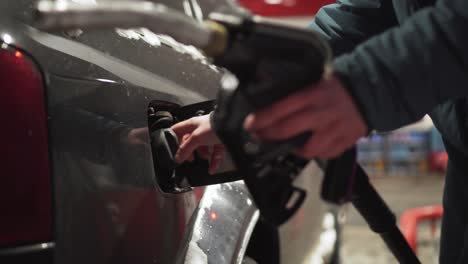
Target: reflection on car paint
[(156, 40), (140, 34), (221, 225), (82, 2), (7, 39), (129, 72)]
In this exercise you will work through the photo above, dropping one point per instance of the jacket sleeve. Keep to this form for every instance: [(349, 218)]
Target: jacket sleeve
[(349, 22), (400, 75)]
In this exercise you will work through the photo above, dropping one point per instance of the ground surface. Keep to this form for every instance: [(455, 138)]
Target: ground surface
[(361, 246)]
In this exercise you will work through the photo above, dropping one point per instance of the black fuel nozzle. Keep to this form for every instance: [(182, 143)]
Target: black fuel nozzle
[(266, 63)]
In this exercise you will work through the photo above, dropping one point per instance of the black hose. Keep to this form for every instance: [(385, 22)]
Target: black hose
[(380, 218)]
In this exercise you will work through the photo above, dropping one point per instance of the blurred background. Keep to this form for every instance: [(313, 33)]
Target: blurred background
[(407, 166)]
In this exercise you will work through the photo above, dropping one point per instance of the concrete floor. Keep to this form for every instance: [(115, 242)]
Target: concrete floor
[(362, 246)]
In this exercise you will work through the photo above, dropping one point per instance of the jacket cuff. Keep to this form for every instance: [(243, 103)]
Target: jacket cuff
[(343, 71)]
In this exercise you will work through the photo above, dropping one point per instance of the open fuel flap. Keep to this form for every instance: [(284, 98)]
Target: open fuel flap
[(170, 176)]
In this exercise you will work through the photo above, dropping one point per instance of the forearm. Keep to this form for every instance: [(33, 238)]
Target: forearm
[(400, 75)]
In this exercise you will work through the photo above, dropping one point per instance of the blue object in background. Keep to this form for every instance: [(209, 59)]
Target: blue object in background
[(436, 143)]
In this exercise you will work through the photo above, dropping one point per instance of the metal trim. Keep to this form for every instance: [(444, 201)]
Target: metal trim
[(246, 237), (221, 227), (27, 249)]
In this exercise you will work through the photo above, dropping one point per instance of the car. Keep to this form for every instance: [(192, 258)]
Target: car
[(81, 179)]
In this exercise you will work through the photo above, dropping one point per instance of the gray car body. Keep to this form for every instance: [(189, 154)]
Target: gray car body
[(107, 205)]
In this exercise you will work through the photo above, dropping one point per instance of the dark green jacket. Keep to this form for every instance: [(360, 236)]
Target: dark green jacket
[(402, 59)]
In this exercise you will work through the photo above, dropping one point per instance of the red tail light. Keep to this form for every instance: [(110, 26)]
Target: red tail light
[(25, 184), (284, 7)]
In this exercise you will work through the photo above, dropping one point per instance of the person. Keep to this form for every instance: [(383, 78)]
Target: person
[(395, 61)]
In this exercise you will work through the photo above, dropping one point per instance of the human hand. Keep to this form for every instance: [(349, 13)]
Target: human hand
[(196, 134), (324, 108)]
